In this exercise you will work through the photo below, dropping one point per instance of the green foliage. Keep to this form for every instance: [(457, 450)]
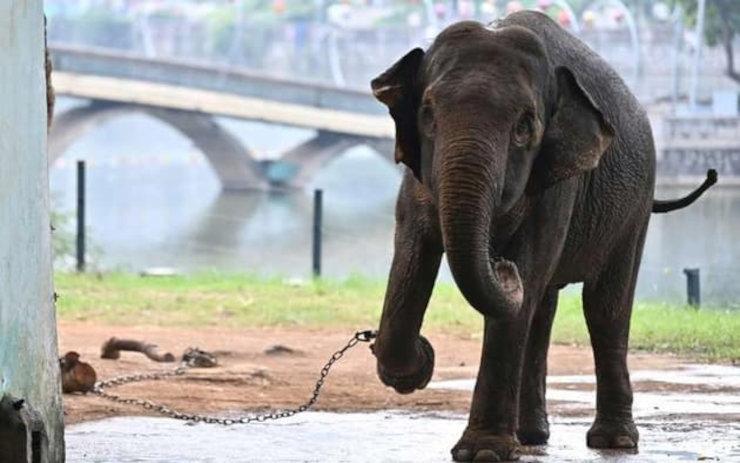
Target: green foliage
[(256, 19), (355, 303), (103, 15), (63, 243), (721, 24), (722, 17), (62, 239)]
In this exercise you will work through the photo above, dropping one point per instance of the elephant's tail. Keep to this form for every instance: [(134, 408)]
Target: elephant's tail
[(662, 206)]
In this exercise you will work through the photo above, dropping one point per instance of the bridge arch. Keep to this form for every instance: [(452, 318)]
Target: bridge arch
[(232, 162), (308, 158)]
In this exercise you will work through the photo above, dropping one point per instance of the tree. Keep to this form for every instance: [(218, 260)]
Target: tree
[(721, 24)]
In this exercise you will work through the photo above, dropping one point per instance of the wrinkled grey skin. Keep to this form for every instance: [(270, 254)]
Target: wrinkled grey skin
[(531, 165)]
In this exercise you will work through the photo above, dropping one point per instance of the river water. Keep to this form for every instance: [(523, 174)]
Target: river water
[(153, 201)]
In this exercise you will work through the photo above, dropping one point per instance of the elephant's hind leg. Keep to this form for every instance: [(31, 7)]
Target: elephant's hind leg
[(533, 426), (607, 303)]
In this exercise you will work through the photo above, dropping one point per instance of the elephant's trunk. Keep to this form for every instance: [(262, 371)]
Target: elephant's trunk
[(469, 185)]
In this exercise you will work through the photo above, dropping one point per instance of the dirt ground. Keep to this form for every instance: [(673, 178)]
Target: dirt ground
[(250, 379)]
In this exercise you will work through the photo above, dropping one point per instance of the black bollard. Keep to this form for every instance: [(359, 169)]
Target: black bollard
[(693, 288), (80, 216), (317, 219)]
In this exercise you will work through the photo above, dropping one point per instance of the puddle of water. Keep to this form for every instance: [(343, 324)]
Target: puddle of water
[(705, 375), (645, 403), (380, 436), (673, 426), (649, 403)]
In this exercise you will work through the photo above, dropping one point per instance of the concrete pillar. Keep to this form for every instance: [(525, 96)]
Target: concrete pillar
[(28, 344)]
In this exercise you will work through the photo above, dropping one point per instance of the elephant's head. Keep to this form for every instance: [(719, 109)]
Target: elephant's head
[(479, 117)]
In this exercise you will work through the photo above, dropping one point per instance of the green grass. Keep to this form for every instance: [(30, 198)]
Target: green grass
[(242, 300)]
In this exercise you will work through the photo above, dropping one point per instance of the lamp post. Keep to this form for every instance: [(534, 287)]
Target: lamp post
[(675, 58), (631, 24), (697, 54)]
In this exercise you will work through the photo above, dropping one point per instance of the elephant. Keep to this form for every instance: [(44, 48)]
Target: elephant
[(530, 165)]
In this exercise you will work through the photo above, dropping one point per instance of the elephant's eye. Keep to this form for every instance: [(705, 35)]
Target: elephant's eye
[(523, 130)]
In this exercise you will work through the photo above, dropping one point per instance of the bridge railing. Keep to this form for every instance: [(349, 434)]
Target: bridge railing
[(351, 54), (312, 50), (214, 76)]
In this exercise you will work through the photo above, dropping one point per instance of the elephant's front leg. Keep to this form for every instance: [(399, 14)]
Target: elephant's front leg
[(533, 426), (491, 434), (406, 359), (492, 426)]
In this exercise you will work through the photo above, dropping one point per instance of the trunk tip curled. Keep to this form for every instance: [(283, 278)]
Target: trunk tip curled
[(510, 282)]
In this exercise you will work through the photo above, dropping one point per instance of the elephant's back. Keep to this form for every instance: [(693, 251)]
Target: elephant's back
[(614, 199)]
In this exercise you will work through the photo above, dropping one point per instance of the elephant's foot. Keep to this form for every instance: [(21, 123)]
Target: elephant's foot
[(416, 376), (533, 429), (612, 434), (481, 445)]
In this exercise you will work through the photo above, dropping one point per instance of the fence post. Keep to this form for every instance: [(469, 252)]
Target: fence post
[(80, 216), (317, 226), (693, 289)]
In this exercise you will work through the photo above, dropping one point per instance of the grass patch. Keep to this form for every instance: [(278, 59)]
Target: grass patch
[(210, 299), (707, 334)]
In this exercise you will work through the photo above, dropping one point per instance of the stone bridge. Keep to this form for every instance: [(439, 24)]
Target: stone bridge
[(187, 96)]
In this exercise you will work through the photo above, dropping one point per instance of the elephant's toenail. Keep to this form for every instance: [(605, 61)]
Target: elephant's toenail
[(486, 455), (462, 455), (624, 442), (598, 442)]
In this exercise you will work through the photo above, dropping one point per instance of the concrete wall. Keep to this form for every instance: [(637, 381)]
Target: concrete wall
[(28, 342)]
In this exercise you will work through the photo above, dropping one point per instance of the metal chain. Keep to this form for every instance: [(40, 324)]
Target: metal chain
[(101, 386)]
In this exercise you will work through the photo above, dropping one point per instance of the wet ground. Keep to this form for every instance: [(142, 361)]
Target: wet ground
[(677, 423), (379, 436), (667, 392)]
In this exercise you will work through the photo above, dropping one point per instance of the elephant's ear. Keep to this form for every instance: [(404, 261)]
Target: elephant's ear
[(577, 135), (397, 89)]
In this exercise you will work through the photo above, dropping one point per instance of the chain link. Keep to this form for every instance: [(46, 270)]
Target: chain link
[(101, 386)]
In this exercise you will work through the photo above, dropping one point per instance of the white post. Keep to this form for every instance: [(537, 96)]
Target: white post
[(676, 56), (697, 54)]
